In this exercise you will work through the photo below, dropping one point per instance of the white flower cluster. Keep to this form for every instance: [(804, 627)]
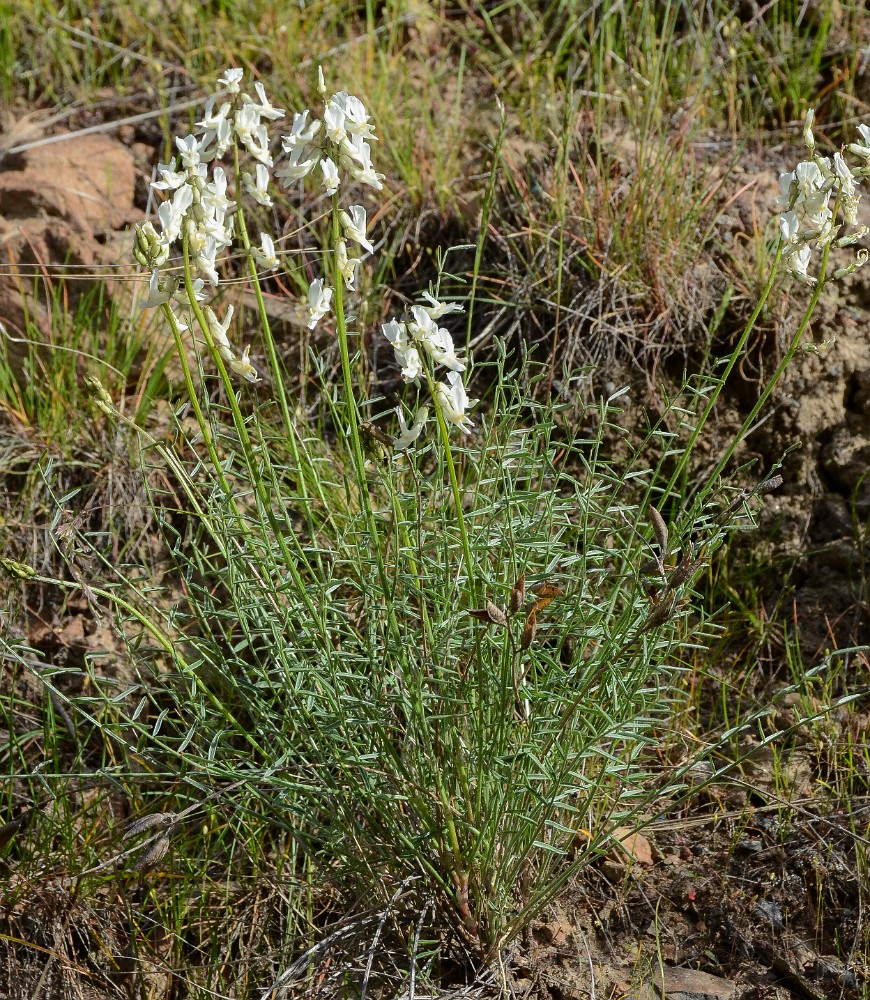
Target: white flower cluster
[(339, 144), (198, 214), (819, 196), (414, 340)]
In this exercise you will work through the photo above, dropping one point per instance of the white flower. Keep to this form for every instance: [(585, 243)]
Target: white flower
[(438, 309), (217, 329), (353, 222), (223, 137), (258, 186), (789, 227), (170, 178), (436, 341), (407, 355), (190, 149), (861, 148), (171, 213), (232, 80), (453, 401), (797, 263), (204, 260), (158, 292), (241, 366), (809, 138), (849, 196), (301, 132), (408, 435), (357, 160), (264, 108), (214, 196), (266, 257), (252, 133), (321, 83), (333, 120), (356, 118), (296, 168), (319, 298), (346, 265), (331, 179), (212, 121)]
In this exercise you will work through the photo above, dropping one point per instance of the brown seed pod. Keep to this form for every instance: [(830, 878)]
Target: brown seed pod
[(518, 594), (660, 529)]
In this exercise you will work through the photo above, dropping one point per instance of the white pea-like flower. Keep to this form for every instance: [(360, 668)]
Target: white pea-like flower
[(319, 299), (257, 185), (296, 168), (265, 257), (232, 80), (190, 150), (241, 366), (407, 356), (356, 118), (438, 309), (436, 341), (861, 148), (797, 262), (301, 132), (334, 122), (170, 178), (789, 227), (356, 157), (346, 265), (264, 108), (331, 180), (353, 221), (211, 119), (453, 402), (408, 435), (172, 213)]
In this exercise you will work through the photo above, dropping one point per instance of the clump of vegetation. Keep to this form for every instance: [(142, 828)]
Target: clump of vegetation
[(415, 658)]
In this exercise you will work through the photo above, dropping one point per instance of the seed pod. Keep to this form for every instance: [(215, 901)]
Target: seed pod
[(148, 822), (544, 596), (489, 613), (529, 629), (769, 484), (153, 856), (660, 529), (518, 594)]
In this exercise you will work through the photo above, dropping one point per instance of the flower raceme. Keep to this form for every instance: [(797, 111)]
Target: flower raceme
[(416, 339), (818, 197), (198, 214)]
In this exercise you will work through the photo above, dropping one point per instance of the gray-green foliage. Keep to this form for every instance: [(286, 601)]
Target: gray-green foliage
[(340, 676)]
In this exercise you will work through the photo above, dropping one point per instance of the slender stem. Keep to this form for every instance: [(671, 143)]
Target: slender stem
[(444, 434), (774, 379), (736, 354), (352, 416)]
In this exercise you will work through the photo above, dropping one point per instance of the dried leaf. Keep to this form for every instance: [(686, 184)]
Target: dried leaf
[(529, 629), (660, 529), (518, 594)]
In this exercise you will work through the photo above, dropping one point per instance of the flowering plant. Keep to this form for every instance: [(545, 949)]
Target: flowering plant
[(818, 197)]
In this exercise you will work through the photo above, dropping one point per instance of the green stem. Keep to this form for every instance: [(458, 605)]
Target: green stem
[(444, 434), (736, 354), (774, 379)]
